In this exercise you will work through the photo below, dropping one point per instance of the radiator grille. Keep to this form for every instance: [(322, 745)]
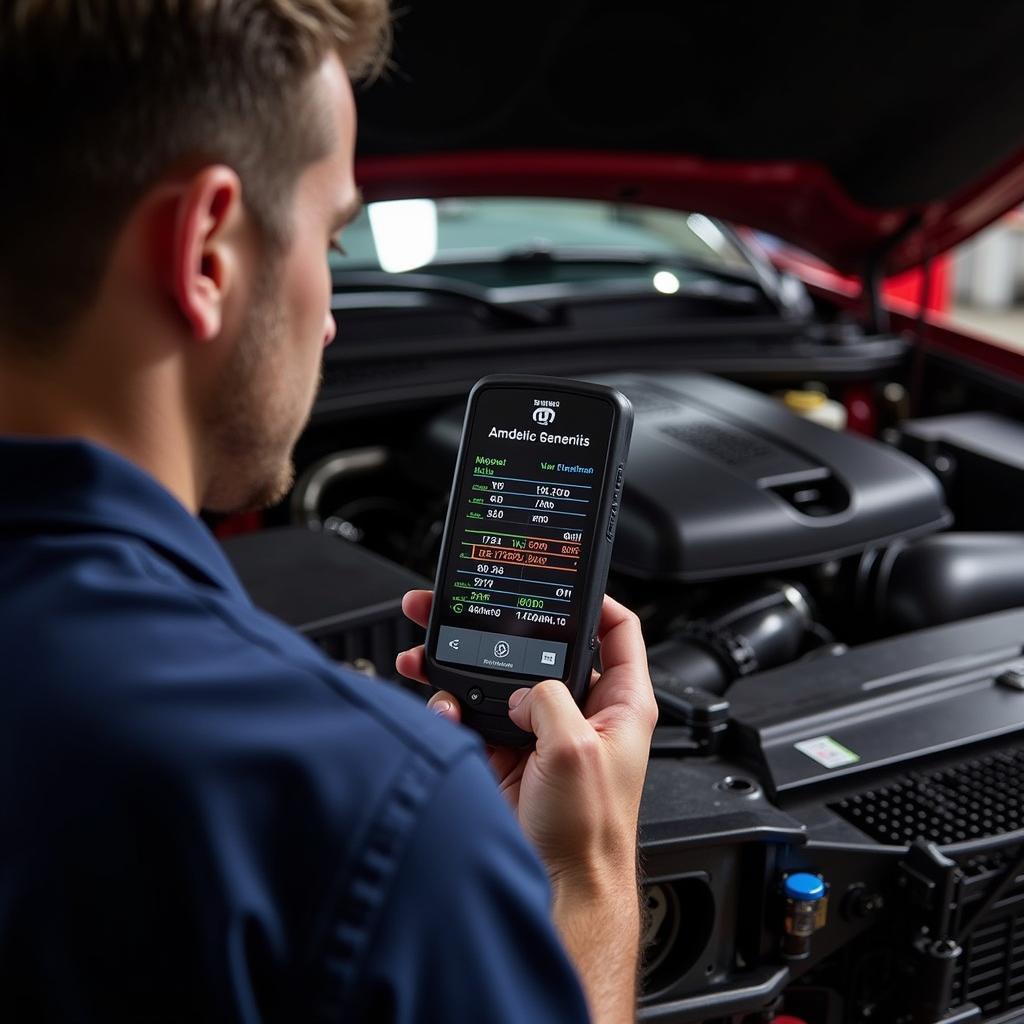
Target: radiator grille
[(375, 640), (991, 972), (976, 798)]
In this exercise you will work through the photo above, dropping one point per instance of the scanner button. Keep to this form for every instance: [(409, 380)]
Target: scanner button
[(458, 646), (545, 658), (475, 696), (612, 518), (501, 651)]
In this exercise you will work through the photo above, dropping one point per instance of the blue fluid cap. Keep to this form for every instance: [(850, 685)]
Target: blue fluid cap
[(804, 886)]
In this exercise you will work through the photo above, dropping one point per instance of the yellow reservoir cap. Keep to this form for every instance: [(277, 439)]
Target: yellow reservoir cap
[(804, 401)]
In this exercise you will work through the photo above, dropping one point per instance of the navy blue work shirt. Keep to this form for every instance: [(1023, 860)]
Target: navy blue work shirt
[(204, 819)]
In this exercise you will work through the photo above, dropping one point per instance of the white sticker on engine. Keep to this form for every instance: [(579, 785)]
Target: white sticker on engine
[(826, 751)]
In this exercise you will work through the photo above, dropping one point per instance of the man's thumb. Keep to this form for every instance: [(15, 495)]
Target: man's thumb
[(547, 710)]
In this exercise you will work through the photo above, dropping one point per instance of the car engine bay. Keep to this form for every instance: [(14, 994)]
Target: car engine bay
[(839, 669)]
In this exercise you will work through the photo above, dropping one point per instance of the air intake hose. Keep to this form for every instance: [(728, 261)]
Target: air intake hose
[(945, 578), (765, 629)]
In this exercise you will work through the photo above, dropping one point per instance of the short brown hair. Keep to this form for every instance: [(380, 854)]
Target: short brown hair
[(100, 98)]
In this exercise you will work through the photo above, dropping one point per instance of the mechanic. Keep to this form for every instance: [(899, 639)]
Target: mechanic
[(203, 818)]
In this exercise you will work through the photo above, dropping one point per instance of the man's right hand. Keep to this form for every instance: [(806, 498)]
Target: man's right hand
[(577, 796)]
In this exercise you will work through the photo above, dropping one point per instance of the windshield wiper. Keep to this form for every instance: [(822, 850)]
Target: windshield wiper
[(540, 304), (363, 281), (790, 303)]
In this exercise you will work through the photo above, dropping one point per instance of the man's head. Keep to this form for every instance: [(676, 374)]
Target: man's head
[(177, 168)]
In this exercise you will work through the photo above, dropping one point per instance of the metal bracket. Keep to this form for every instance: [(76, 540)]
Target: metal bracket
[(932, 883), (874, 276)]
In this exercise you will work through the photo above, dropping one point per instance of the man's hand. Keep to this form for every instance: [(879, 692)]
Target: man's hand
[(577, 796)]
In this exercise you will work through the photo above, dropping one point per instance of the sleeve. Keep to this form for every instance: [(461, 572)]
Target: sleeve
[(466, 934)]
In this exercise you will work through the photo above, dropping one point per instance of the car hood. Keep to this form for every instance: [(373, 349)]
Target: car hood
[(870, 134)]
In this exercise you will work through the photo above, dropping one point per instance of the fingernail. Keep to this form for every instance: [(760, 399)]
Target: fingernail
[(517, 698), (442, 707)]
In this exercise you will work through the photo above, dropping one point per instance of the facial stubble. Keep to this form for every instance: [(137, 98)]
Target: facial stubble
[(256, 414)]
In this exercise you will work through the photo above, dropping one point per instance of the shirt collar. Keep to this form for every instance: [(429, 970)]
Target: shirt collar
[(75, 483)]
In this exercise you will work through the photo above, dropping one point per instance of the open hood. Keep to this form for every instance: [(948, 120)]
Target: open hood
[(874, 135)]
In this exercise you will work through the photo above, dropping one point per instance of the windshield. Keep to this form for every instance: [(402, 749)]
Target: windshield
[(408, 234)]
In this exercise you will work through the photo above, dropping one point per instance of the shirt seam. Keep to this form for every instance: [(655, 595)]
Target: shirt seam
[(344, 947), (307, 666)]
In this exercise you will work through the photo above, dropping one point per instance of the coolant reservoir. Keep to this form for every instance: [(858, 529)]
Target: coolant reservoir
[(813, 405)]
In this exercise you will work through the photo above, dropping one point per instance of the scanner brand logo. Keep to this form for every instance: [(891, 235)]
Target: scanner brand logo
[(544, 415)]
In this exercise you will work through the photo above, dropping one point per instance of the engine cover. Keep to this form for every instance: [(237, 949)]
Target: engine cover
[(724, 481)]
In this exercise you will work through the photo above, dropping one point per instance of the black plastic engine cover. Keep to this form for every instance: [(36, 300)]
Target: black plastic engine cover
[(889, 702), (724, 481)]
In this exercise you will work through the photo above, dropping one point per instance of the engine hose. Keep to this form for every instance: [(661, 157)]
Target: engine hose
[(944, 578), (767, 628)]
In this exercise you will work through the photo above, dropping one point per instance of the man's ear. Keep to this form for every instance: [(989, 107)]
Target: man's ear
[(204, 247)]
